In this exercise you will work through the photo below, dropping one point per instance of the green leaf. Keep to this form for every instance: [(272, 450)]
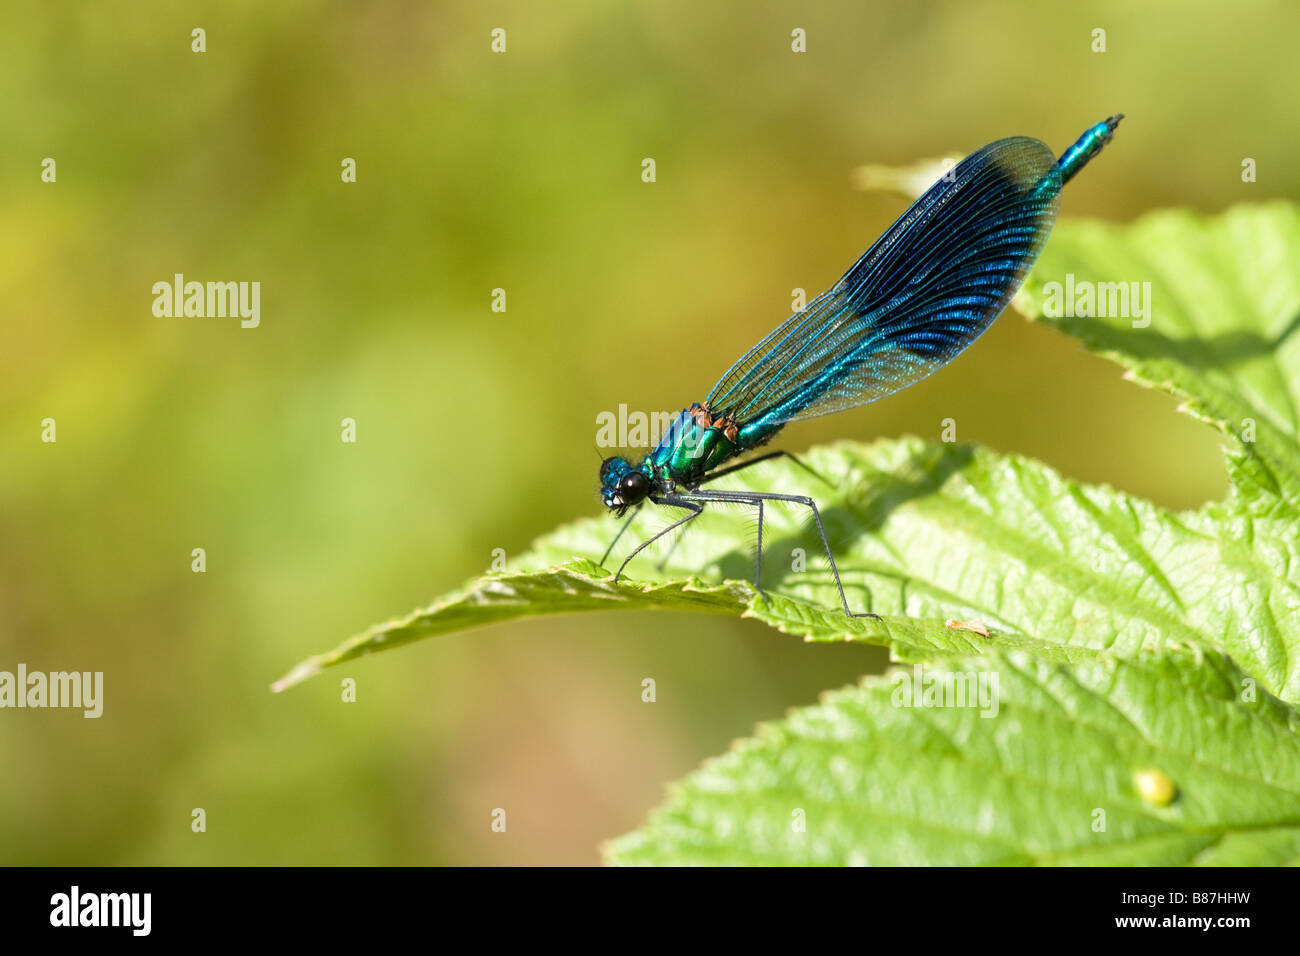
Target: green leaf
[(1224, 332), (1224, 337), (1051, 777), (923, 533), (585, 586)]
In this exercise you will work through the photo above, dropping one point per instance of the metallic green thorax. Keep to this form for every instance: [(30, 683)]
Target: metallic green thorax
[(697, 443)]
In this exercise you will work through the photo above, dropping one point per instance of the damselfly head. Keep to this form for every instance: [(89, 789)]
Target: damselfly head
[(621, 485)]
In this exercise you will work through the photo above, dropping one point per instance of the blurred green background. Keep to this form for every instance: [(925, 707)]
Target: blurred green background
[(475, 428)]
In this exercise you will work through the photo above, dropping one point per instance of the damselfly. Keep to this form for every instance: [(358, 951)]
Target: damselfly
[(925, 290)]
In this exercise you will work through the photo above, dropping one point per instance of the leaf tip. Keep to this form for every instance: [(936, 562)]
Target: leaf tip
[(308, 668)]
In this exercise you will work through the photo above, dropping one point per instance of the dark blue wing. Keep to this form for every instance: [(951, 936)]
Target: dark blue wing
[(923, 292)]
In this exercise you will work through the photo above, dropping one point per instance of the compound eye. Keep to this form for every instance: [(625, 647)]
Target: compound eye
[(634, 486)]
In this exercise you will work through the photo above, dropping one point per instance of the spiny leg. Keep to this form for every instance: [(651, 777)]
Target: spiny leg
[(750, 497), (732, 469), (757, 502), (676, 501), (608, 550)]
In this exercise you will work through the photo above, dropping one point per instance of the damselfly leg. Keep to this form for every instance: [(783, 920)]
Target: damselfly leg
[(695, 501), (756, 498), (732, 469), (635, 511), (676, 501)]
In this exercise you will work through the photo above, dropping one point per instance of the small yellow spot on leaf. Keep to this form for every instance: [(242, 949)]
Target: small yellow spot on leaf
[(1155, 787)]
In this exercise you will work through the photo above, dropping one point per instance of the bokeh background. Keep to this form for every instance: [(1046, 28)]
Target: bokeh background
[(475, 428)]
